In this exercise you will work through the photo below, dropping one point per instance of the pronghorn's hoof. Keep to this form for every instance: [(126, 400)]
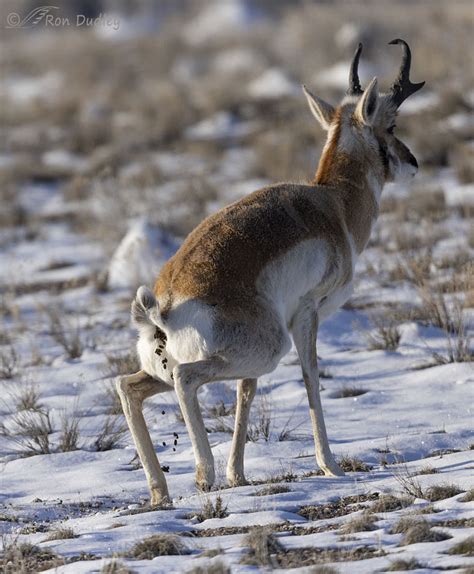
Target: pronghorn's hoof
[(204, 478), (236, 479), (159, 498), (333, 470)]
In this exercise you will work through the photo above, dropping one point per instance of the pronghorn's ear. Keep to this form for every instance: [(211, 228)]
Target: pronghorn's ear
[(322, 111), (368, 104)]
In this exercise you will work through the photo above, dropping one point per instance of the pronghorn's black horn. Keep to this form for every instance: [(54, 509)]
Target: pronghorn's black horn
[(402, 88), (354, 83)]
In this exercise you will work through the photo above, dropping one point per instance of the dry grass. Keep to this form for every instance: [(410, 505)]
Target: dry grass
[(157, 545), (125, 364), (67, 335), (30, 431), (465, 547), (402, 565), (363, 522), (115, 567), (263, 547), (61, 534), (69, 437), (468, 497), (214, 568), (390, 503), (386, 335), (113, 430), (9, 363), (24, 558), (111, 399), (417, 530), (260, 423), (409, 483), (442, 491), (427, 470), (272, 489), (27, 398), (353, 464), (341, 507), (210, 509)]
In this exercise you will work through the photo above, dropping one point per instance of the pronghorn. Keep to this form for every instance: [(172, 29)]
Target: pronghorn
[(270, 265)]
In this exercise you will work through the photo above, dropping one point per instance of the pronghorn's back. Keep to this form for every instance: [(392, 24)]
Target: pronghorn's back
[(222, 259)]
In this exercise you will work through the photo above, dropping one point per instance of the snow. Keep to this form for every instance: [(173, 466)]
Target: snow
[(272, 84), (222, 125), (219, 20), (336, 76), (139, 255)]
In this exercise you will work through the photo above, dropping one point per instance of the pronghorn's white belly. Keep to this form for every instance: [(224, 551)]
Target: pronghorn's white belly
[(301, 271), (334, 300), (287, 279)]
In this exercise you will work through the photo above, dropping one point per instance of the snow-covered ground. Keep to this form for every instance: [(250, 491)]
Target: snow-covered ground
[(403, 413)]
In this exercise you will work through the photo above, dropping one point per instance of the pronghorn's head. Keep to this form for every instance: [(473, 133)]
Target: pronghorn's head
[(363, 126)]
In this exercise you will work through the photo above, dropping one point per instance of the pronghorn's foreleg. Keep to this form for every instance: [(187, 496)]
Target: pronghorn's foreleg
[(133, 390), (305, 328), (188, 378), (235, 467)]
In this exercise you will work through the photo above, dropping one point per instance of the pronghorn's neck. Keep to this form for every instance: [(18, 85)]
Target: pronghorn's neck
[(357, 180)]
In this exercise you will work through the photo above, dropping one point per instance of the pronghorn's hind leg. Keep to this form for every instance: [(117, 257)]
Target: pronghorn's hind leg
[(188, 378), (305, 328), (133, 390), (235, 467)]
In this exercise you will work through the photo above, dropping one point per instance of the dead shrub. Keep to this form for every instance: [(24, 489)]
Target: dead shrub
[(213, 568), (427, 470), (260, 426), (69, 437), (364, 522), (390, 503), (465, 547), (409, 483), (401, 565), (452, 322), (157, 545), (122, 364), (61, 534), (115, 567), (212, 510), (27, 398), (9, 363), (113, 429), (468, 497), (353, 464), (263, 546), (272, 489), (386, 335), (111, 399), (65, 334), (30, 431), (442, 491), (417, 530), (26, 558)]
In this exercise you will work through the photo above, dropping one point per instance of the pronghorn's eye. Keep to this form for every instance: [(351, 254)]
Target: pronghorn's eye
[(391, 129)]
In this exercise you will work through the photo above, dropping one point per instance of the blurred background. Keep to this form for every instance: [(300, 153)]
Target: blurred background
[(169, 109)]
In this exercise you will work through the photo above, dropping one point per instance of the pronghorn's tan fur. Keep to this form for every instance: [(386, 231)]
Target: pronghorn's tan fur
[(266, 267)]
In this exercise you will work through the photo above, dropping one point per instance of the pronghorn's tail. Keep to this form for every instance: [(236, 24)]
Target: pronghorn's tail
[(146, 312)]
